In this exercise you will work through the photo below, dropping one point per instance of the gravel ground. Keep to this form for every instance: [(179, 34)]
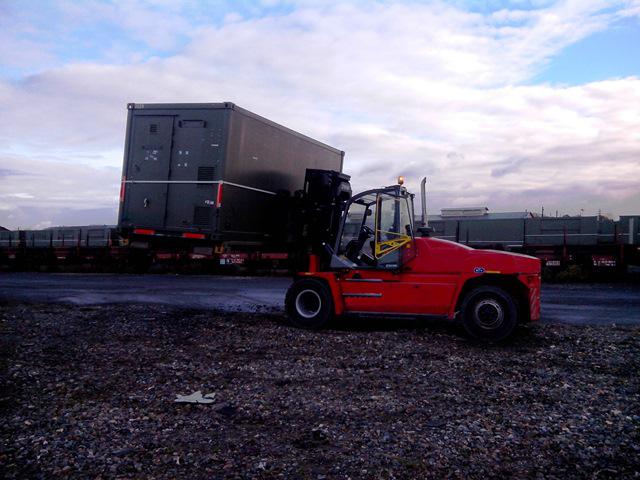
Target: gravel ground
[(89, 392)]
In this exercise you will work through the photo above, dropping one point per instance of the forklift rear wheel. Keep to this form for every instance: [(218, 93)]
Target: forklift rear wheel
[(489, 313), (308, 304)]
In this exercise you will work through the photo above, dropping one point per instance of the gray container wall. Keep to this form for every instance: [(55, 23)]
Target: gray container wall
[(606, 231), (177, 146), (53, 237), (451, 230), (63, 236), (84, 236), (484, 233), (438, 227), (266, 156), (574, 231), (551, 231), (9, 238), (95, 236), (537, 231), (39, 238), (271, 157), (629, 227)]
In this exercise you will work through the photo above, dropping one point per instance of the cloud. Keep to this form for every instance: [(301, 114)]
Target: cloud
[(58, 191), (9, 172), (512, 165), (404, 88)]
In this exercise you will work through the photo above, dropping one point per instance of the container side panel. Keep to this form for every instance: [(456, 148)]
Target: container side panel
[(263, 156), (498, 232), (438, 228), (94, 237), (451, 230), (239, 221), (549, 231), (39, 238)]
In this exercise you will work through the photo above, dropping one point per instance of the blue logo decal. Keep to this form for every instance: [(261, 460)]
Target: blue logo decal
[(478, 270)]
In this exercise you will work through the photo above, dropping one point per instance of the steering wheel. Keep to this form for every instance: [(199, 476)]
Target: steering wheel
[(367, 230), (354, 247)]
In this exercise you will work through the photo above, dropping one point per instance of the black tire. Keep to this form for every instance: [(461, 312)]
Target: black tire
[(489, 314), (308, 304)]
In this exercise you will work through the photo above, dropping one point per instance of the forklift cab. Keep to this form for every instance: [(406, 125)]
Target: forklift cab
[(377, 231)]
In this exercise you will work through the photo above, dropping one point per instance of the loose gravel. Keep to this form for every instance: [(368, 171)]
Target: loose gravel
[(89, 392)]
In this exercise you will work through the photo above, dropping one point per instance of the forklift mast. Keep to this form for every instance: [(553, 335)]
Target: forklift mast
[(319, 209)]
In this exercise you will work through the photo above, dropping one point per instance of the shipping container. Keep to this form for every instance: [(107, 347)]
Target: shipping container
[(212, 171)]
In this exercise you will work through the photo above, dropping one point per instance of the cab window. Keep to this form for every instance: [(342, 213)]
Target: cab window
[(356, 243), (376, 232), (394, 230)]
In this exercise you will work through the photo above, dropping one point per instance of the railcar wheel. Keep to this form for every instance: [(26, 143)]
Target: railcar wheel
[(308, 304), (489, 313)]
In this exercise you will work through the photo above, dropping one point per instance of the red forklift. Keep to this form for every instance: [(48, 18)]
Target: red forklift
[(368, 257)]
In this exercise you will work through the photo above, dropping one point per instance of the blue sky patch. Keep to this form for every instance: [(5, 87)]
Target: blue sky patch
[(613, 53)]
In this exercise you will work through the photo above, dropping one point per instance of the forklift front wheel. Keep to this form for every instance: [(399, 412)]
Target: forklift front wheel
[(489, 313), (308, 304)]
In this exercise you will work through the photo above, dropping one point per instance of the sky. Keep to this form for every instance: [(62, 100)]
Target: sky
[(513, 105)]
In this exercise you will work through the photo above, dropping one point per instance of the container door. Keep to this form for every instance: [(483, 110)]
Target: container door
[(195, 157), (149, 161)]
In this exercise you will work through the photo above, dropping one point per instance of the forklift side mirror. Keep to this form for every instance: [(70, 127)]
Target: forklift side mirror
[(425, 231), (409, 230)]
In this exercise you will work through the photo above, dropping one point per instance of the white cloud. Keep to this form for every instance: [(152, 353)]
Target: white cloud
[(33, 191), (402, 88)]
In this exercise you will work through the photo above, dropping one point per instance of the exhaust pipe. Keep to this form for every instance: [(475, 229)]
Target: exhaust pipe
[(423, 195)]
